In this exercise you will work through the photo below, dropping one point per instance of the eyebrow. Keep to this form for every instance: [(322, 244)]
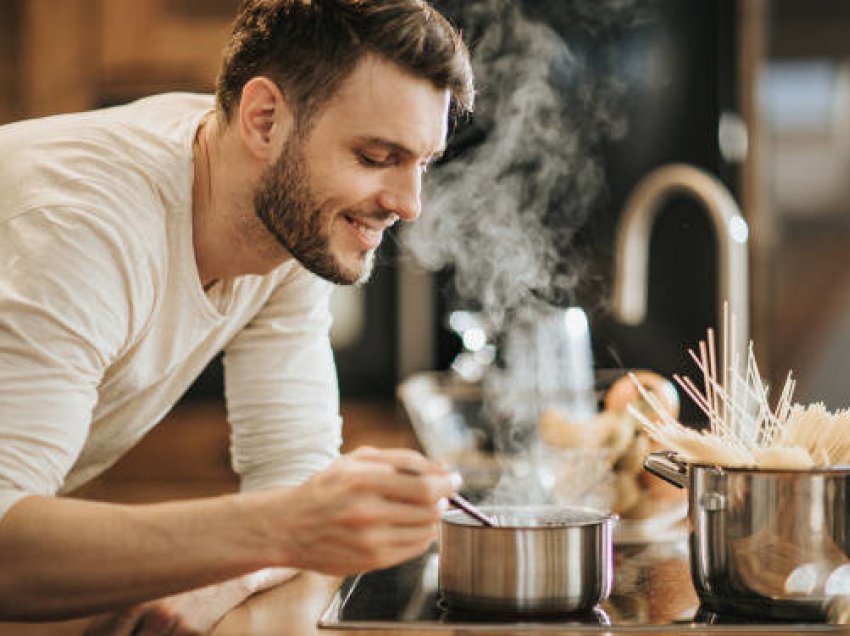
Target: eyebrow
[(399, 148)]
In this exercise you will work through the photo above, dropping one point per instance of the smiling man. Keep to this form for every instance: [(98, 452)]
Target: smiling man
[(139, 241)]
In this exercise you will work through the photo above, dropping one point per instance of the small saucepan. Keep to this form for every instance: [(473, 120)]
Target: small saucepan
[(537, 560)]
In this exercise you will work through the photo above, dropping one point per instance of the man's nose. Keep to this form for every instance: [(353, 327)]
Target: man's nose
[(402, 195)]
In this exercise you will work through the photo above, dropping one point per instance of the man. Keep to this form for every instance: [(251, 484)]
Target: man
[(136, 242)]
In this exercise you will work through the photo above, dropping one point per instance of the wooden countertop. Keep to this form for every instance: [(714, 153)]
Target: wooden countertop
[(294, 608)]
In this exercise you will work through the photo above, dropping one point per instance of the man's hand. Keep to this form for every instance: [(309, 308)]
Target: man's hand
[(193, 612), (362, 513)]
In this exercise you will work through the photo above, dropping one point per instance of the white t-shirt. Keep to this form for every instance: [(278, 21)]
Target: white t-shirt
[(104, 322)]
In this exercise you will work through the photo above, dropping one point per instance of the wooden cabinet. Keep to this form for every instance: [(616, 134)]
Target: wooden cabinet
[(80, 54), (9, 55)]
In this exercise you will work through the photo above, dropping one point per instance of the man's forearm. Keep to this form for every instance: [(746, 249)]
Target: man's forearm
[(64, 557)]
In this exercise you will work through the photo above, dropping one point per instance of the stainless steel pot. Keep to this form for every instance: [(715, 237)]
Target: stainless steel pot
[(770, 542), (538, 560)]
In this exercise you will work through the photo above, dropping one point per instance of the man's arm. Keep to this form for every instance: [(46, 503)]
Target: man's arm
[(78, 557), (283, 406), (281, 386), (64, 558)]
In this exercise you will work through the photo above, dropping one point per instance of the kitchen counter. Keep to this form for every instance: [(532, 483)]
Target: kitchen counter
[(296, 607)]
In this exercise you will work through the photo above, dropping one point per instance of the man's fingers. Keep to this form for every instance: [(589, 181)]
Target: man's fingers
[(400, 459), (370, 509), (121, 623), (146, 619), (377, 511), (156, 622), (405, 475), (416, 489), (395, 544), (404, 538), (396, 553)]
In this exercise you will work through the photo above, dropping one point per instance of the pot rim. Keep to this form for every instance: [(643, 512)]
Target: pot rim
[(837, 469), (601, 518)]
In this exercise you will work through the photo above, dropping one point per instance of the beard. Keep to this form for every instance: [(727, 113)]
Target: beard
[(289, 208)]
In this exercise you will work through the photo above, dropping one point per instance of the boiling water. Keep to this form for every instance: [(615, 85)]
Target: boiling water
[(530, 516)]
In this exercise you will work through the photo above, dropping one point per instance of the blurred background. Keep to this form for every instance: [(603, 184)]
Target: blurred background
[(754, 92)]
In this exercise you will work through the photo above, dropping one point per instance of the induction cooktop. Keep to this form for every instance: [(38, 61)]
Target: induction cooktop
[(652, 591)]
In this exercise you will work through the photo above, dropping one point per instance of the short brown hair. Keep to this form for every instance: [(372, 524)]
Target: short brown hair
[(308, 47)]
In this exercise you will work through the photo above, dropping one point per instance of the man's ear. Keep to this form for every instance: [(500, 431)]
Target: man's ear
[(265, 118)]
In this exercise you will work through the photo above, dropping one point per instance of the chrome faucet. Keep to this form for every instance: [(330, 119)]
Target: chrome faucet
[(632, 246)]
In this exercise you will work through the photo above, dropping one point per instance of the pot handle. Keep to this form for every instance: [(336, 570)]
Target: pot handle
[(668, 466)]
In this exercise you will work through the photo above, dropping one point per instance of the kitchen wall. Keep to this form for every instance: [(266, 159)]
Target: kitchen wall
[(78, 54)]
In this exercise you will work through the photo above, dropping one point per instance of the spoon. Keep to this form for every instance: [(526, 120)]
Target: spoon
[(459, 502), (472, 511)]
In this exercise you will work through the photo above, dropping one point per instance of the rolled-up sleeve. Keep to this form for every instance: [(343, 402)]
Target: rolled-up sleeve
[(63, 315), (281, 387)]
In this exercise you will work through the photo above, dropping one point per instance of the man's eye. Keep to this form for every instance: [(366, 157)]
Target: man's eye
[(372, 160)]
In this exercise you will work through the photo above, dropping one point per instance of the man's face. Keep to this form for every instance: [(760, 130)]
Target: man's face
[(330, 195)]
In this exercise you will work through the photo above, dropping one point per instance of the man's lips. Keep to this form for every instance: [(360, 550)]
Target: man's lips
[(367, 231)]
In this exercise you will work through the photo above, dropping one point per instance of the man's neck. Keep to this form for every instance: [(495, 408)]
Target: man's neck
[(228, 238)]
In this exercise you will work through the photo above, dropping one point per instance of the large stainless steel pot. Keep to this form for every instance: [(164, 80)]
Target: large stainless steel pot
[(770, 542), (538, 560)]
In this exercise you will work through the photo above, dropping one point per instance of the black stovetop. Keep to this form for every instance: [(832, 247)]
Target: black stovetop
[(652, 590)]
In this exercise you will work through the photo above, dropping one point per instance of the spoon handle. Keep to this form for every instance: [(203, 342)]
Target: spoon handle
[(472, 511), (457, 501)]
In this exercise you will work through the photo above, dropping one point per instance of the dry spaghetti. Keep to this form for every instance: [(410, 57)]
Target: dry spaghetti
[(744, 430)]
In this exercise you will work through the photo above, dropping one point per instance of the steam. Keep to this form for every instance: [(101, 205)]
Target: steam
[(504, 213)]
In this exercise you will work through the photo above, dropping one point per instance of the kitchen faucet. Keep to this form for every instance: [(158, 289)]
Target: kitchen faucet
[(632, 246)]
